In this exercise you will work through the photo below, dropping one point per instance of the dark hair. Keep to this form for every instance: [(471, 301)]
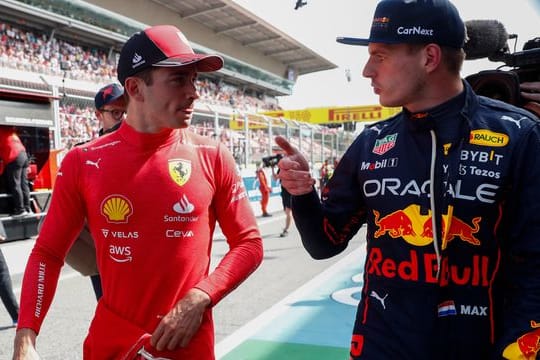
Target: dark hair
[(145, 75), (452, 58)]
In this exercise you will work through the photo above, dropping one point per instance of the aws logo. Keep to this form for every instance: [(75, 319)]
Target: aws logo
[(116, 209), (120, 254), (488, 138)]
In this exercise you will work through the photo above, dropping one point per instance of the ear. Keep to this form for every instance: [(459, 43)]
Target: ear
[(433, 57), (133, 87)]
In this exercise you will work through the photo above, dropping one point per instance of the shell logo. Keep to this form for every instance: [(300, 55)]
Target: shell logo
[(116, 209)]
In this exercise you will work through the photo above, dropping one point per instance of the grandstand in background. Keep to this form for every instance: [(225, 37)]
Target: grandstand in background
[(55, 54), (63, 51)]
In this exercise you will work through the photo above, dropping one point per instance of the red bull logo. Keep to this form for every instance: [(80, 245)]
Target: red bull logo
[(526, 347), (423, 268), (417, 229)]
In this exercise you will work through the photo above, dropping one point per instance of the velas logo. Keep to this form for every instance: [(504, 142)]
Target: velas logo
[(116, 209), (180, 170), (385, 144), (488, 138)]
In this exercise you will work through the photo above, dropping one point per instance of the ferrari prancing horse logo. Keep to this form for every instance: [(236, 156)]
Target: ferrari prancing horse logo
[(180, 170)]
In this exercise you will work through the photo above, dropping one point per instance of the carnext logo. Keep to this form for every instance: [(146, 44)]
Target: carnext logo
[(415, 30)]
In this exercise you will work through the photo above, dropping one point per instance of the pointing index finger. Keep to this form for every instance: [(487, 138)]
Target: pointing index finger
[(285, 145)]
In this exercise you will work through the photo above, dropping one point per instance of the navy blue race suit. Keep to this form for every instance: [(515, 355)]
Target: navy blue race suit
[(453, 265)]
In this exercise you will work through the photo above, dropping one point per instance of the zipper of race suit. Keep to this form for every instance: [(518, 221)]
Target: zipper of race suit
[(432, 200)]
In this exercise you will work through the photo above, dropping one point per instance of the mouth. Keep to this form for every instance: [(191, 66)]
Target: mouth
[(187, 111)]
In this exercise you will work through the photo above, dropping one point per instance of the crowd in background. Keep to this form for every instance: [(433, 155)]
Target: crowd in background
[(79, 124), (24, 49)]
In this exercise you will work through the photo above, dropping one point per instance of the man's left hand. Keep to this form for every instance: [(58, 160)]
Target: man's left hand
[(178, 327)]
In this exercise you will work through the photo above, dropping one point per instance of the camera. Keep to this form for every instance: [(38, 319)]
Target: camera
[(505, 85), (273, 160)]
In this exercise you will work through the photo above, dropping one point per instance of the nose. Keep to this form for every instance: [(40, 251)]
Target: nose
[(195, 92), (368, 71)]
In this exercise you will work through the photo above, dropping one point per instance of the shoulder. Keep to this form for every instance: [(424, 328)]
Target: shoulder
[(205, 146), (505, 116), (110, 140), (379, 130), (383, 127), (502, 107), (199, 140)]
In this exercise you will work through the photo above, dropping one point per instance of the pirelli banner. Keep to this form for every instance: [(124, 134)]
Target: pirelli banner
[(330, 115)]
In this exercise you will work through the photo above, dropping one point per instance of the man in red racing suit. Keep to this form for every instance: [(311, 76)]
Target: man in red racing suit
[(151, 193)]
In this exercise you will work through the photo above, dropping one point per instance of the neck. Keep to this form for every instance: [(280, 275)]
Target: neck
[(436, 92)]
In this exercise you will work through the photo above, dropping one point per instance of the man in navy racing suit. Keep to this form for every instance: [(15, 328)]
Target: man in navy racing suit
[(449, 191)]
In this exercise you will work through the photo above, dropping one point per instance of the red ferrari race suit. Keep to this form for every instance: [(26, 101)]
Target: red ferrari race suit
[(151, 202)]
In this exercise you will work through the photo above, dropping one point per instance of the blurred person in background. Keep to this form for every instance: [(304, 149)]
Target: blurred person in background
[(110, 107), (14, 166), (264, 188), (6, 286)]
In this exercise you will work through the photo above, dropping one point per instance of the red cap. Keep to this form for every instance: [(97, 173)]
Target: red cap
[(161, 45)]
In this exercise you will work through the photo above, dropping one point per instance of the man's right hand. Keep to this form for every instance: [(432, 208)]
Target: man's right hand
[(294, 169), (24, 347)]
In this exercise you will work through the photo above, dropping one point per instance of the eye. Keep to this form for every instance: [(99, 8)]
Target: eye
[(180, 79), (379, 57)]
